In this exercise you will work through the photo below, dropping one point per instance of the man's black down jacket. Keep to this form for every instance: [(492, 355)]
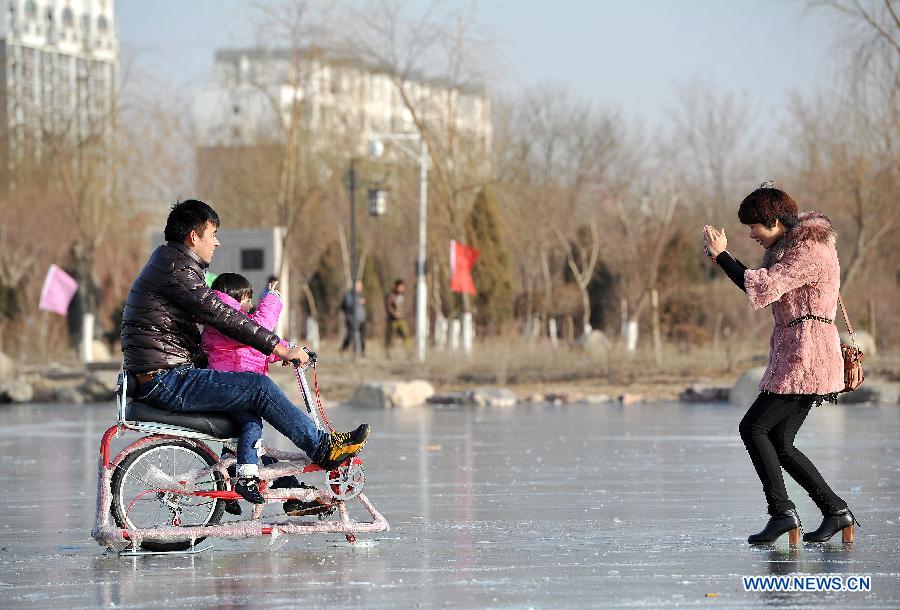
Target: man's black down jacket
[(167, 303)]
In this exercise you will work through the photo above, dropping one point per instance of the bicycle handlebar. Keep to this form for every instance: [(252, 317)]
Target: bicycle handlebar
[(313, 358)]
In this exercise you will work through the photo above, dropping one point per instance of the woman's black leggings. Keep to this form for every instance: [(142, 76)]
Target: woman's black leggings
[(768, 430)]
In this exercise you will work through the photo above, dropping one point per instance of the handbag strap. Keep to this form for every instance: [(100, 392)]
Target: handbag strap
[(847, 319)]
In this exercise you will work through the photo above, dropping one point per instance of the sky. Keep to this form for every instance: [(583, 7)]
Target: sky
[(629, 54)]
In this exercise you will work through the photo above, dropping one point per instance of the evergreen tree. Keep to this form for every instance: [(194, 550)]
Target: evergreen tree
[(328, 286), (492, 273)]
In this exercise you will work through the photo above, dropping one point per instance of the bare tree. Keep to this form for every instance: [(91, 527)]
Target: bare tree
[(582, 254), (710, 138), (277, 157), (645, 224), (436, 59), (850, 156)]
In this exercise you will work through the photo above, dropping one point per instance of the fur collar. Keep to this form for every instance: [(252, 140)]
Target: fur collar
[(813, 226)]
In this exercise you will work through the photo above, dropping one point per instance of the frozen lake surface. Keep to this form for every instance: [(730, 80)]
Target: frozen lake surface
[(604, 506)]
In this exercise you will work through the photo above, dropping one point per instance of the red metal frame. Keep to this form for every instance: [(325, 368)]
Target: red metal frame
[(105, 534), (114, 431), (104, 444)]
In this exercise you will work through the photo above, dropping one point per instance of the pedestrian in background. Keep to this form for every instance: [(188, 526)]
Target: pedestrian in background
[(353, 306), (395, 308)]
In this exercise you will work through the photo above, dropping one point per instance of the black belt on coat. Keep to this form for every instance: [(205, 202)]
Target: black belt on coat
[(803, 318)]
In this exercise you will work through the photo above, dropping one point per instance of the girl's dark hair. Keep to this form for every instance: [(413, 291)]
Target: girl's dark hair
[(234, 285), (765, 205)]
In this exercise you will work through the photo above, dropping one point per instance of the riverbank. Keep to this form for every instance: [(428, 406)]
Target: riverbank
[(531, 371)]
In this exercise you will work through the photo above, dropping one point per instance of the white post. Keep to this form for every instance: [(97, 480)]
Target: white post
[(553, 332), (441, 326), (282, 269), (454, 334), (87, 338), (468, 333), (312, 333), (421, 285), (631, 335)]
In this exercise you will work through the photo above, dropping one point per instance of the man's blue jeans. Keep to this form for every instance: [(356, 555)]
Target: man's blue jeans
[(243, 396)]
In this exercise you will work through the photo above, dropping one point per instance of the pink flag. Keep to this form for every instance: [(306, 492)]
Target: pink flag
[(58, 290)]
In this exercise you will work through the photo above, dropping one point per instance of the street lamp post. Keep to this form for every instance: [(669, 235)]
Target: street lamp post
[(354, 324), (376, 148), (377, 207)]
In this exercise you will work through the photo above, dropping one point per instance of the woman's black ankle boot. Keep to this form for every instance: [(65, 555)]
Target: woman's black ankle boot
[(786, 522), (831, 525)]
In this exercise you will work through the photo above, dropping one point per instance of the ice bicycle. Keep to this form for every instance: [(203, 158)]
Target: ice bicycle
[(166, 491)]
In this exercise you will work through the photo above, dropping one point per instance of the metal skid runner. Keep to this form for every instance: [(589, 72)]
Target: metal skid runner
[(166, 492)]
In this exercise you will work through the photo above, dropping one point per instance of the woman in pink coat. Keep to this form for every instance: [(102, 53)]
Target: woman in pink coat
[(800, 279)]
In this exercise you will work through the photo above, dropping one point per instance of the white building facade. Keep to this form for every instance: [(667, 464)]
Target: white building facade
[(253, 86), (60, 61)]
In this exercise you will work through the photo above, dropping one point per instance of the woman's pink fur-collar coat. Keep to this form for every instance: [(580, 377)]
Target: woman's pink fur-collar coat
[(226, 354), (801, 275)]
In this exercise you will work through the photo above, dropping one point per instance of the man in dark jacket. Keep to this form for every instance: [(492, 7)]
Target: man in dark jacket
[(353, 305), (161, 342)]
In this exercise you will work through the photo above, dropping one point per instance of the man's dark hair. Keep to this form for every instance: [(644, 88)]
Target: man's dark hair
[(234, 285), (186, 216), (766, 205), (399, 282)]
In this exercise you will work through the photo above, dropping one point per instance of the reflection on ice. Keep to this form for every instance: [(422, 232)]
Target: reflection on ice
[(594, 506)]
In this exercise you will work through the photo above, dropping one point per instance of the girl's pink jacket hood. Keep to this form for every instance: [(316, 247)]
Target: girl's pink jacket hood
[(801, 275), (226, 354)]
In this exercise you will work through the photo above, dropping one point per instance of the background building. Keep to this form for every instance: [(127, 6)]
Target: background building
[(255, 90), (59, 62)]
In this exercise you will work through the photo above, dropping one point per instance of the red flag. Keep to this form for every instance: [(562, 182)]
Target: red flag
[(462, 259)]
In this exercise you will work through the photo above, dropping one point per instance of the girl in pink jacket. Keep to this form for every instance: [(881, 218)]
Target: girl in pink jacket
[(799, 279), (226, 354)]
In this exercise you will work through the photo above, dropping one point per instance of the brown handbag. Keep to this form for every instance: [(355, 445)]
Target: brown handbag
[(853, 356)]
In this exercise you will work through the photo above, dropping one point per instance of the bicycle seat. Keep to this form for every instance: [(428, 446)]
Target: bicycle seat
[(213, 424)]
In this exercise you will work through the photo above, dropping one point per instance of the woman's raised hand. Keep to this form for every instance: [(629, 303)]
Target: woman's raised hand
[(715, 240)]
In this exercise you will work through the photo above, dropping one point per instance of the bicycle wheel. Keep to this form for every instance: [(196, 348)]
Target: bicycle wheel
[(148, 491)]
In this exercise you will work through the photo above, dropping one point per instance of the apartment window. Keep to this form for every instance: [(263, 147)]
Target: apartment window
[(68, 18), (102, 24), (253, 259)]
